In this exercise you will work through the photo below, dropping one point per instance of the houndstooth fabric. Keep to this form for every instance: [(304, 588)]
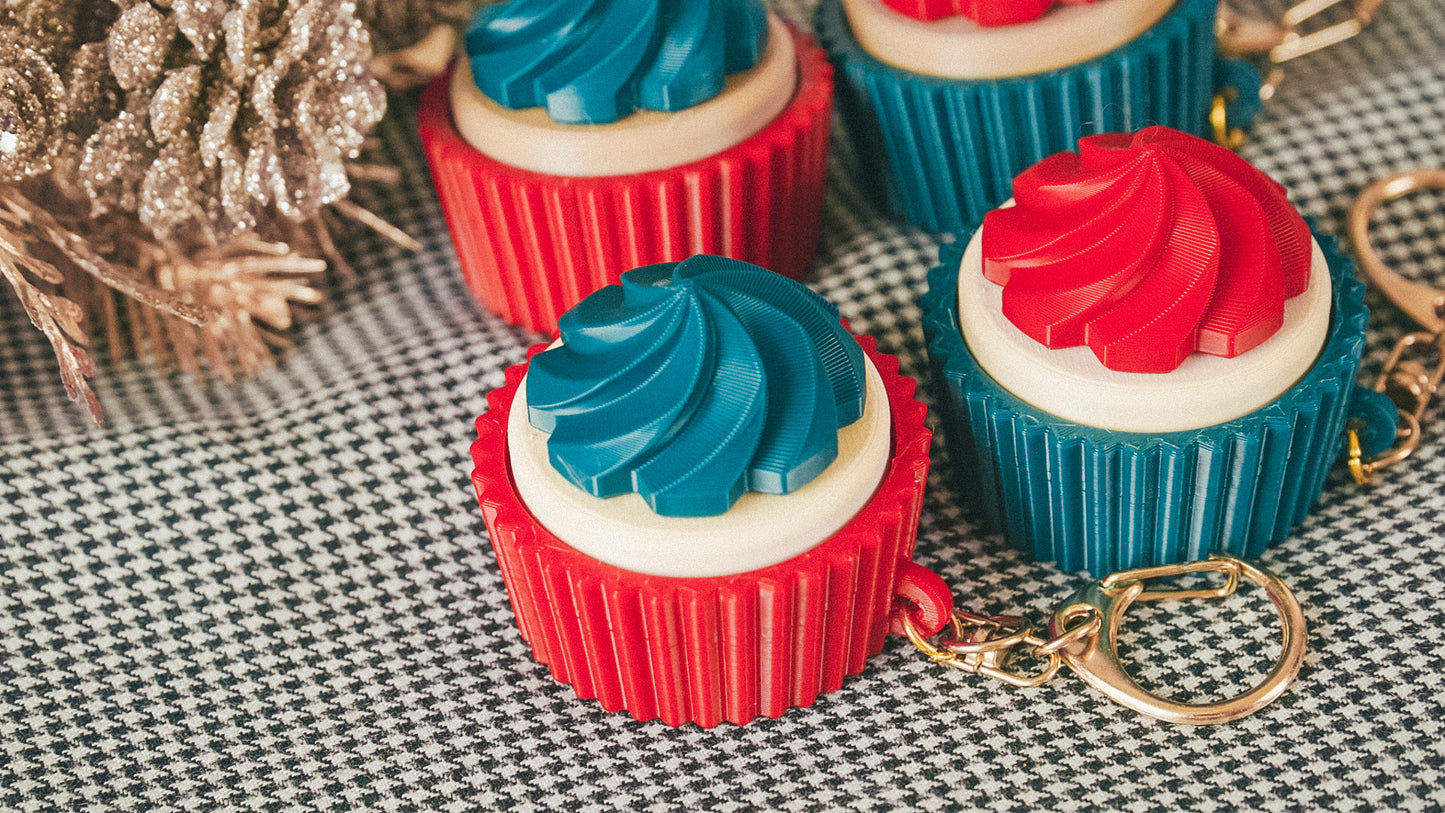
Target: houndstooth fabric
[(278, 594)]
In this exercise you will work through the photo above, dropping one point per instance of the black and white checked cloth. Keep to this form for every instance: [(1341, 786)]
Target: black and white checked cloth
[(278, 595)]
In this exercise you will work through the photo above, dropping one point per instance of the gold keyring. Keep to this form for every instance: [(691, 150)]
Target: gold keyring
[(1419, 301), (1099, 664)]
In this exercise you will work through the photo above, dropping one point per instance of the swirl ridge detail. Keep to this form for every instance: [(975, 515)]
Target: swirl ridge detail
[(1147, 248), (597, 61), (691, 383)]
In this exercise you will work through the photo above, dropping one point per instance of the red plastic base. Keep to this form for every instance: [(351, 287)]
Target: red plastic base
[(708, 650), (531, 246)]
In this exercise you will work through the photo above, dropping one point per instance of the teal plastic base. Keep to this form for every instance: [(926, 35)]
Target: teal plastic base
[(1091, 499), (946, 151)]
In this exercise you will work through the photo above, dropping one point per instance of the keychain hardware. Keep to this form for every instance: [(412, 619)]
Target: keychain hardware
[(1224, 135), (1415, 366), (1083, 635), (1283, 41), (972, 646), (1278, 42)]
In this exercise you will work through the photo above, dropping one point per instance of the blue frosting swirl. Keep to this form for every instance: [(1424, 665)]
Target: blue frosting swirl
[(596, 61), (693, 382)]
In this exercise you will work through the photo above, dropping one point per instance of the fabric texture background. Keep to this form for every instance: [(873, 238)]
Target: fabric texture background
[(278, 594)]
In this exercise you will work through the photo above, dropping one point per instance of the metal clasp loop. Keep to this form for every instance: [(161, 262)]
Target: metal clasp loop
[(1424, 304), (987, 646), (1083, 634), (1409, 381), (1283, 41), (1096, 659)]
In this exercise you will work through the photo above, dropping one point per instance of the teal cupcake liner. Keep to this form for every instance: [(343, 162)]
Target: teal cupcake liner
[(947, 150), (1102, 501)]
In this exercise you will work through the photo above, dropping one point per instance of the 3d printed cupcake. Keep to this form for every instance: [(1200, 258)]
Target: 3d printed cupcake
[(1147, 359), (701, 497), (950, 99), (585, 138)]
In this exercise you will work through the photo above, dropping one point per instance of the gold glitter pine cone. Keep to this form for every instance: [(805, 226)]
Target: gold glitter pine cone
[(32, 108)]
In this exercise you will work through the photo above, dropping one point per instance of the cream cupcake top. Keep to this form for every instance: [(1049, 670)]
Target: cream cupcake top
[(614, 87), (1148, 282), (700, 418)]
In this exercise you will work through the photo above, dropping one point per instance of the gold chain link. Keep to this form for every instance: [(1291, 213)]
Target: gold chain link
[(992, 646)]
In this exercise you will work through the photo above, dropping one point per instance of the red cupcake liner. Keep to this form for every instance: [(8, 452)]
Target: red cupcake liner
[(532, 245), (705, 650)]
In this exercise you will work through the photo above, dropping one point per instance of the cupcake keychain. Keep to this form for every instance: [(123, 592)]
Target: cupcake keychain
[(1082, 632), (950, 99), (704, 499), (581, 138), (700, 497), (1147, 358)]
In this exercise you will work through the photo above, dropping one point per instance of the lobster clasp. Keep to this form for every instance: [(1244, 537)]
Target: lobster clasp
[(1416, 365), (1096, 658), (1422, 303)]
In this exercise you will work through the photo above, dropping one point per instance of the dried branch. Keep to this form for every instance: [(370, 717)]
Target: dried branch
[(56, 317)]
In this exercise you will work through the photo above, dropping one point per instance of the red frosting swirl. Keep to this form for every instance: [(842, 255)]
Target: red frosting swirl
[(1147, 248), (983, 12)]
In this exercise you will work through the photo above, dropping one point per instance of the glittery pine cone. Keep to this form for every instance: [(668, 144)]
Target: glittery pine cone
[(32, 108), (287, 101), (184, 157)]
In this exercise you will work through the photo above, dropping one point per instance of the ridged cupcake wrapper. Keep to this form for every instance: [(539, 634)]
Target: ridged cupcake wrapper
[(1102, 501), (531, 245), (707, 650), (946, 151)]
